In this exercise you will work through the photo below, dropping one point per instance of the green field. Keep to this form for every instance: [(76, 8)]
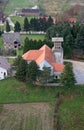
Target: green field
[(38, 107), (20, 20), (38, 110), (12, 90), (18, 5), (33, 37), (72, 114)]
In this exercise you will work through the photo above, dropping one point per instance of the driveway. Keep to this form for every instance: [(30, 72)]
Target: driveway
[(10, 22), (78, 68)]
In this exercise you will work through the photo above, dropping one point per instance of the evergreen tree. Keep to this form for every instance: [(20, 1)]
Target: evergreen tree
[(26, 25), (45, 75), (21, 70), (17, 27), (26, 45), (32, 71), (49, 22), (7, 26), (67, 77)]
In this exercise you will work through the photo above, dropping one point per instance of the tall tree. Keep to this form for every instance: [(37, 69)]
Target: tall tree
[(45, 75), (67, 77), (21, 70), (49, 22), (32, 71), (26, 25), (26, 45), (7, 26), (17, 27)]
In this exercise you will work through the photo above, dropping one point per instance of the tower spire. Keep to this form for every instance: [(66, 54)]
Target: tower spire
[(57, 49)]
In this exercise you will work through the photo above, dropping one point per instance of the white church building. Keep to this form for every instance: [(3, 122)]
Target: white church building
[(48, 57)]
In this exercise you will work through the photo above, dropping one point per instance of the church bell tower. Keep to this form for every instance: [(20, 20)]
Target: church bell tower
[(57, 49)]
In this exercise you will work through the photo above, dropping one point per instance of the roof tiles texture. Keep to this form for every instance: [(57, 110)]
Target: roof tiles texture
[(44, 53)]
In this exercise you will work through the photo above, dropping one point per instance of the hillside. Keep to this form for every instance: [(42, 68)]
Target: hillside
[(50, 7)]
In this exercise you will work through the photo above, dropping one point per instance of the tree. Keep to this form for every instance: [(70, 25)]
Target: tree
[(68, 46), (49, 22), (67, 77), (32, 71), (7, 26), (45, 75), (21, 70), (17, 27), (26, 45), (26, 25)]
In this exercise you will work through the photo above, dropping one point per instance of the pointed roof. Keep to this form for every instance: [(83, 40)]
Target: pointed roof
[(44, 53)]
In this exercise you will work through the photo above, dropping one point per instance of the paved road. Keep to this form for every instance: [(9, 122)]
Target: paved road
[(78, 68)]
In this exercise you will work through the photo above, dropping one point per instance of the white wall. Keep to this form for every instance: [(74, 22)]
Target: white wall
[(59, 57), (57, 74), (2, 72), (46, 64)]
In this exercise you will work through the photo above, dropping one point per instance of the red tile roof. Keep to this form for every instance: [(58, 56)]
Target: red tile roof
[(44, 53), (58, 67), (72, 20)]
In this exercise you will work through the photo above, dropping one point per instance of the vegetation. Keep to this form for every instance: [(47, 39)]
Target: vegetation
[(7, 26), (45, 5), (70, 111), (32, 116), (34, 44), (26, 26), (72, 114), (12, 90), (35, 24), (17, 27), (33, 37), (32, 72), (73, 37), (67, 76), (45, 76), (21, 69)]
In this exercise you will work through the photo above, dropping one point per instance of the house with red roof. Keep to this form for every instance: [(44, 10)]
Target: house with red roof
[(45, 57), (72, 20)]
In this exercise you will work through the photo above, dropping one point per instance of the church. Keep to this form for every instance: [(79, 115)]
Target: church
[(48, 57)]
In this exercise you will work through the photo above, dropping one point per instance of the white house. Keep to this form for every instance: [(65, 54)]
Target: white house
[(4, 68), (48, 57)]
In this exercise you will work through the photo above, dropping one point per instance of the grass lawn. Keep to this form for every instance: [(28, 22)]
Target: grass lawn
[(38, 110), (18, 5), (33, 37), (72, 114), (20, 20), (12, 90)]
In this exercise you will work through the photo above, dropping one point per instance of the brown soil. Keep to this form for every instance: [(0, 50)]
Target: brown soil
[(34, 116)]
